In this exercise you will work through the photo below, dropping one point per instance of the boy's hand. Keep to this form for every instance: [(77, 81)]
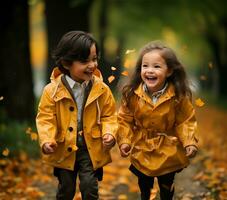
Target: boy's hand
[(191, 151), (108, 141), (49, 147), (125, 150)]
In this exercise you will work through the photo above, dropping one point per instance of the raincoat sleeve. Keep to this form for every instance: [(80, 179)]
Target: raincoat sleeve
[(186, 124), (126, 122), (108, 117), (46, 119)]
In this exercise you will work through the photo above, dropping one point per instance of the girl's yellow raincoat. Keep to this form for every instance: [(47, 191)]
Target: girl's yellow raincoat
[(157, 132), (57, 122)]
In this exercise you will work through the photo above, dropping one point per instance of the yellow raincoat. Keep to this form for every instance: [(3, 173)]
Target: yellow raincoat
[(57, 122), (157, 132)]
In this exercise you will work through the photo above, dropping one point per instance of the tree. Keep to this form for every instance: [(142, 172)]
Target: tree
[(16, 74), (64, 16)]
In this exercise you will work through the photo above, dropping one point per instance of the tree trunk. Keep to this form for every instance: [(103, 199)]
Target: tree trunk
[(61, 17), (16, 74)]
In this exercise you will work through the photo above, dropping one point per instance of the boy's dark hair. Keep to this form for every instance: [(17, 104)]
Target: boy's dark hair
[(73, 46), (178, 78)]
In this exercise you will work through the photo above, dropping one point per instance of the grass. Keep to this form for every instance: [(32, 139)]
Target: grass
[(13, 136)]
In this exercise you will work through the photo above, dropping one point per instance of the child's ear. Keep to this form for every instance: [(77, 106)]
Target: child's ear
[(65, 64)]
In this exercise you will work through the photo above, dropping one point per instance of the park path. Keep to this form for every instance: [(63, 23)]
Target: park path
[(22, 178)]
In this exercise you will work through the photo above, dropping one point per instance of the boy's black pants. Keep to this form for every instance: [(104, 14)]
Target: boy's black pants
[(88, 178), (145, 183)]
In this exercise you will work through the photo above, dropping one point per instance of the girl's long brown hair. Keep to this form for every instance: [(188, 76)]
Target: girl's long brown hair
[(178, 77)]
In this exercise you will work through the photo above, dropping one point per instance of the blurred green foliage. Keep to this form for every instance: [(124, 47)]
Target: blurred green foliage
[(13, 136)]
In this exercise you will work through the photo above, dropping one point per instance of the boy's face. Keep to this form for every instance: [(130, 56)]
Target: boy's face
[(83, 71)]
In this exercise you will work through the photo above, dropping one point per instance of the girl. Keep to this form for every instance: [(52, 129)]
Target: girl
[(76, 118), (157, 123)]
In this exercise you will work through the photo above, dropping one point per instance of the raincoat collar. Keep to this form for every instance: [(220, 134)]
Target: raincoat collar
[(169, 93), (60, 91)]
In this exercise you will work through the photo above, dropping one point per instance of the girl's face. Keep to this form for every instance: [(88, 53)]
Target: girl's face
[(83, 71), (154, 71)]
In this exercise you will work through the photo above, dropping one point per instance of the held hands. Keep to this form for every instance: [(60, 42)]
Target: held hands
[(191, 151), (125, 150), (108, 141), (49, 147)]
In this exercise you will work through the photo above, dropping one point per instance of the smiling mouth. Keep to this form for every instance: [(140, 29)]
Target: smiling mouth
[(151, 78)]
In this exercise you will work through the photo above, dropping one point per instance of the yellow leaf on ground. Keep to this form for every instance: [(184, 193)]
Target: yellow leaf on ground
[(5, 152), (199, 102), (124, 73), (111, 78), (122, 197), (113, 68), (223, 195)]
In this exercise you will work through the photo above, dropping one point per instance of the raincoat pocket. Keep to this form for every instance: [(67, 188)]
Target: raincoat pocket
[(96, 132)]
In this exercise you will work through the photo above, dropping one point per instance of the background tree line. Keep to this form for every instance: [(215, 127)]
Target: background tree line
[(198, 30)]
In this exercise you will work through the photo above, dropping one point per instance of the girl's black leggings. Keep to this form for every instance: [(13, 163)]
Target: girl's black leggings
[(145, 183)]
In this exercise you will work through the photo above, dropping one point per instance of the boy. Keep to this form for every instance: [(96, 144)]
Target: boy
[(76, 118)]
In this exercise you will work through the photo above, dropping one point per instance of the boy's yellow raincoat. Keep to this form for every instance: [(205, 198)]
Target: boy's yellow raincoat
[(157, 132), (57, 122)]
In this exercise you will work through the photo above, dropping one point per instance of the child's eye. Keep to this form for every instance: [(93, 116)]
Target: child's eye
[(156, 66), (144, 65)]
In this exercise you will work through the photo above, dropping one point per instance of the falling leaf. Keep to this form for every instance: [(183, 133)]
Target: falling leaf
[(203, 78), (34, 136), (5, 152), (127, 63), (124, 73), (111, 78), (1, 98), (199, 102), (130, 51), (28, 130), (113, 68), (210, 65)]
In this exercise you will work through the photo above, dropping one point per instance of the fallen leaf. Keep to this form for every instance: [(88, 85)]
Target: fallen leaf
[(5, 152), (122, 197), (113, 68)]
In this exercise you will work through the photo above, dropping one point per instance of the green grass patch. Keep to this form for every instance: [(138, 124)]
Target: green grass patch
[(13, 137)]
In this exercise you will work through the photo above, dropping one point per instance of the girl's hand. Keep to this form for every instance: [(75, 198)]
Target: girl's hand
[(49, 147), (108, 141), (125, 150), (191, 151)]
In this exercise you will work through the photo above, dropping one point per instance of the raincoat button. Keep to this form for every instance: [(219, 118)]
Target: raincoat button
[(71, 108), (70, 129), (69, 149)]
